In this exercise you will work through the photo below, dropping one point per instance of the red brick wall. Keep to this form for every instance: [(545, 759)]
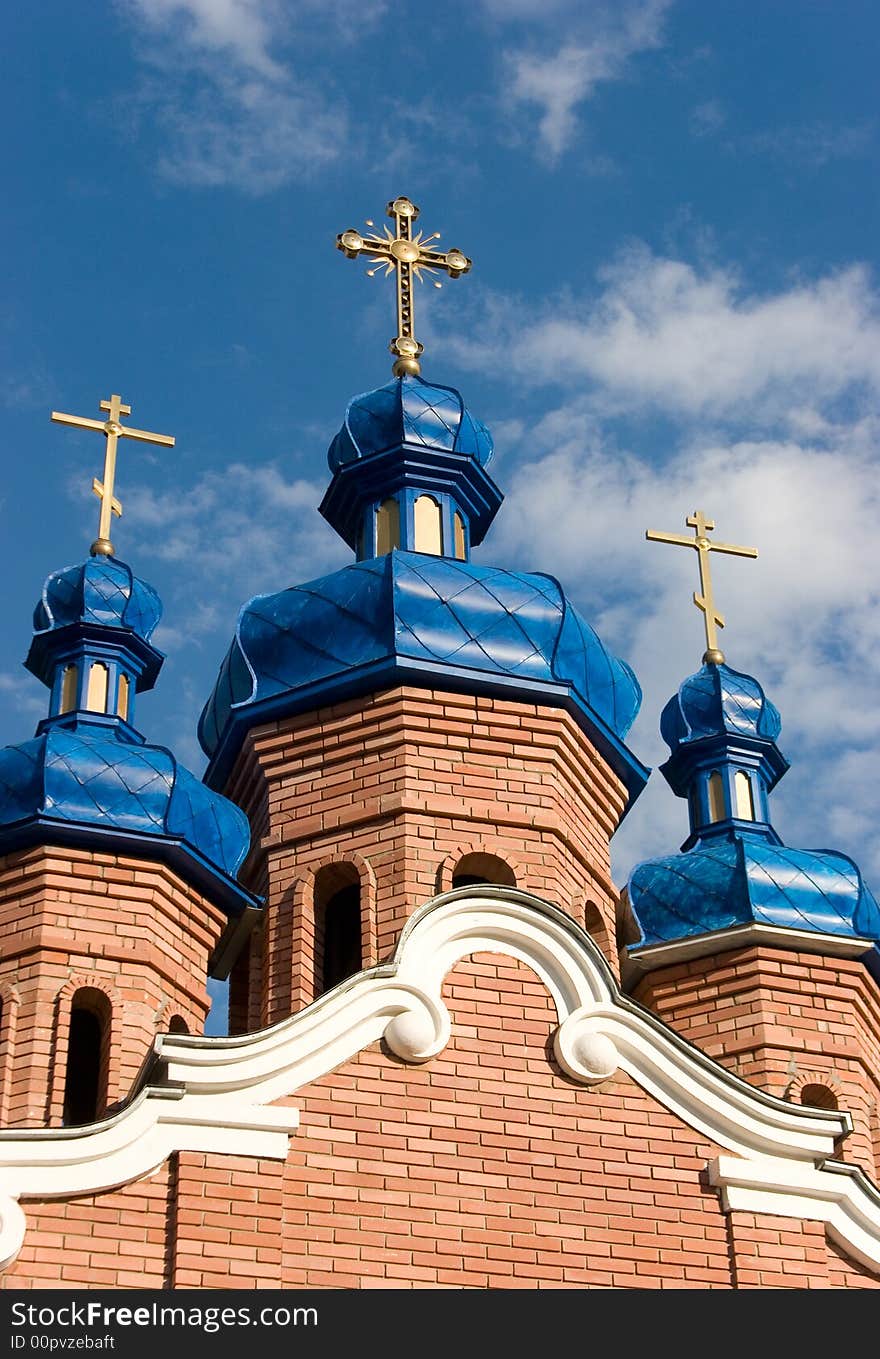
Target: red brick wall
[(783, 1020), (483, 1167), (404, 784), (70, 919)]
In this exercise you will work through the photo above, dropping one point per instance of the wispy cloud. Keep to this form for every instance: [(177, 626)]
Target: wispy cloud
[(233, 107), (667, 335), (810, 145), (707, 118), (557, 79)]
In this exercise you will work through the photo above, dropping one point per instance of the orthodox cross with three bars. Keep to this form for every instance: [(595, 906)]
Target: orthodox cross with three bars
[(705, 601), (406, 256), (112, 431)]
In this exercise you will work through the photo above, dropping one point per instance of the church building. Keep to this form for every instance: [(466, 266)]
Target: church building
[(458, 1055)]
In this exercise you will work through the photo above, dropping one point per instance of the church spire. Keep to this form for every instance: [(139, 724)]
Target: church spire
[(408, 257), (705, 601), (113, 431)]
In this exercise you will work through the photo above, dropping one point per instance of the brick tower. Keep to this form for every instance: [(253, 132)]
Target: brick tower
[(765, 956), (117, 875), (415, 721)]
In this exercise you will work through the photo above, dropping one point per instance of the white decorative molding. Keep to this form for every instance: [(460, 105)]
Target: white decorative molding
[(217, 1094)]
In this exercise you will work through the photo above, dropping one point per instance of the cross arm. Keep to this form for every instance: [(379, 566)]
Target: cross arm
[(735, 551), (656, 537), (145, 437), (79, 421)]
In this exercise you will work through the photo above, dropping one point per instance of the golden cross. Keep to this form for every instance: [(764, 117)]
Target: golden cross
[(705, 601), (112, 431), (406, 256)]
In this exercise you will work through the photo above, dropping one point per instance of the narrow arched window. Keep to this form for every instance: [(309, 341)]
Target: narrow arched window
[(177, 1024), (68, 689), (96, 694), (482, 868), (338, 951), (745, 804), (122, 697), (716, 797), (387, 527), (429, 536), (85, 1078), (819, 1097), (460, 544)]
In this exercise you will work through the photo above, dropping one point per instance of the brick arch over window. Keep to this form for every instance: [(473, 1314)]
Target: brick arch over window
[(329, 875), (96, 990), (818, 1089), (486, 860), (9, 1004)]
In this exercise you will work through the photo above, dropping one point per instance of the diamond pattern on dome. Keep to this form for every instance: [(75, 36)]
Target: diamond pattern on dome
[(731, 882), (432, 610), (716, 700), (100, 590), (432, 421), (211, 824), (107, 782)]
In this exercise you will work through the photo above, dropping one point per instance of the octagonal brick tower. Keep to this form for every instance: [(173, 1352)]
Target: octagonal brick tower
[(117, 866), (415, 721)]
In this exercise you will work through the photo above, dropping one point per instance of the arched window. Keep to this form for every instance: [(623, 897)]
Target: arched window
[(387, 527), (482, 868), (122, 697), (429, 536), (338, 952), (716, 797), (96, 695), (178, 1024), (819, 1097), (68, 689), (460, 544), (88, 1041), (745, 804)]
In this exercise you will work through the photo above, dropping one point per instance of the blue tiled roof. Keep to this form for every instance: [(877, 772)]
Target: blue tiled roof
[(99, 590), (747, 879), (717, 700), (409, 617), (409, 410), (94, 777)]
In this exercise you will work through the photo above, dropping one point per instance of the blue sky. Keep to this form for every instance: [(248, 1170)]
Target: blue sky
[(672, 210)]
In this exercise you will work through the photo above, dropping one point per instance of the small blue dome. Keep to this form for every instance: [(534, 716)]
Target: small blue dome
[(409, 410), (718, 700), (749, 880), (99, 590), (412, 618), (97, 784)]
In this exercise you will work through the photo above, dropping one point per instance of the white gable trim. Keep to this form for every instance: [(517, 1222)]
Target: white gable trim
[(218, 1092)]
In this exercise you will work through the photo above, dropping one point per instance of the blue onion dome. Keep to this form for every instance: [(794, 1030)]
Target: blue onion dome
[(76, 783), (415, 619), (100, 590), (409, 410), (718, 700), (750, 880)]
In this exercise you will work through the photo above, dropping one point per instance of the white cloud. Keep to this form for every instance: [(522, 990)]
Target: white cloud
[(707, 118), (667, 335), (601, 40), (803, 618), (809, 145), (233, 108)]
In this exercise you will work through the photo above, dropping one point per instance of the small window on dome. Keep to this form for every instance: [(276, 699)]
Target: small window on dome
[(122, 697), (68, 690), (387, 527), (427, 522), (99, 681), (745, 804), (460, 547), (716, 797)]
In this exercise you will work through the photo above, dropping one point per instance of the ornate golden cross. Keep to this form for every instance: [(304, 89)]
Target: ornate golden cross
[(112, 431), (705, 601), (406, 256)]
